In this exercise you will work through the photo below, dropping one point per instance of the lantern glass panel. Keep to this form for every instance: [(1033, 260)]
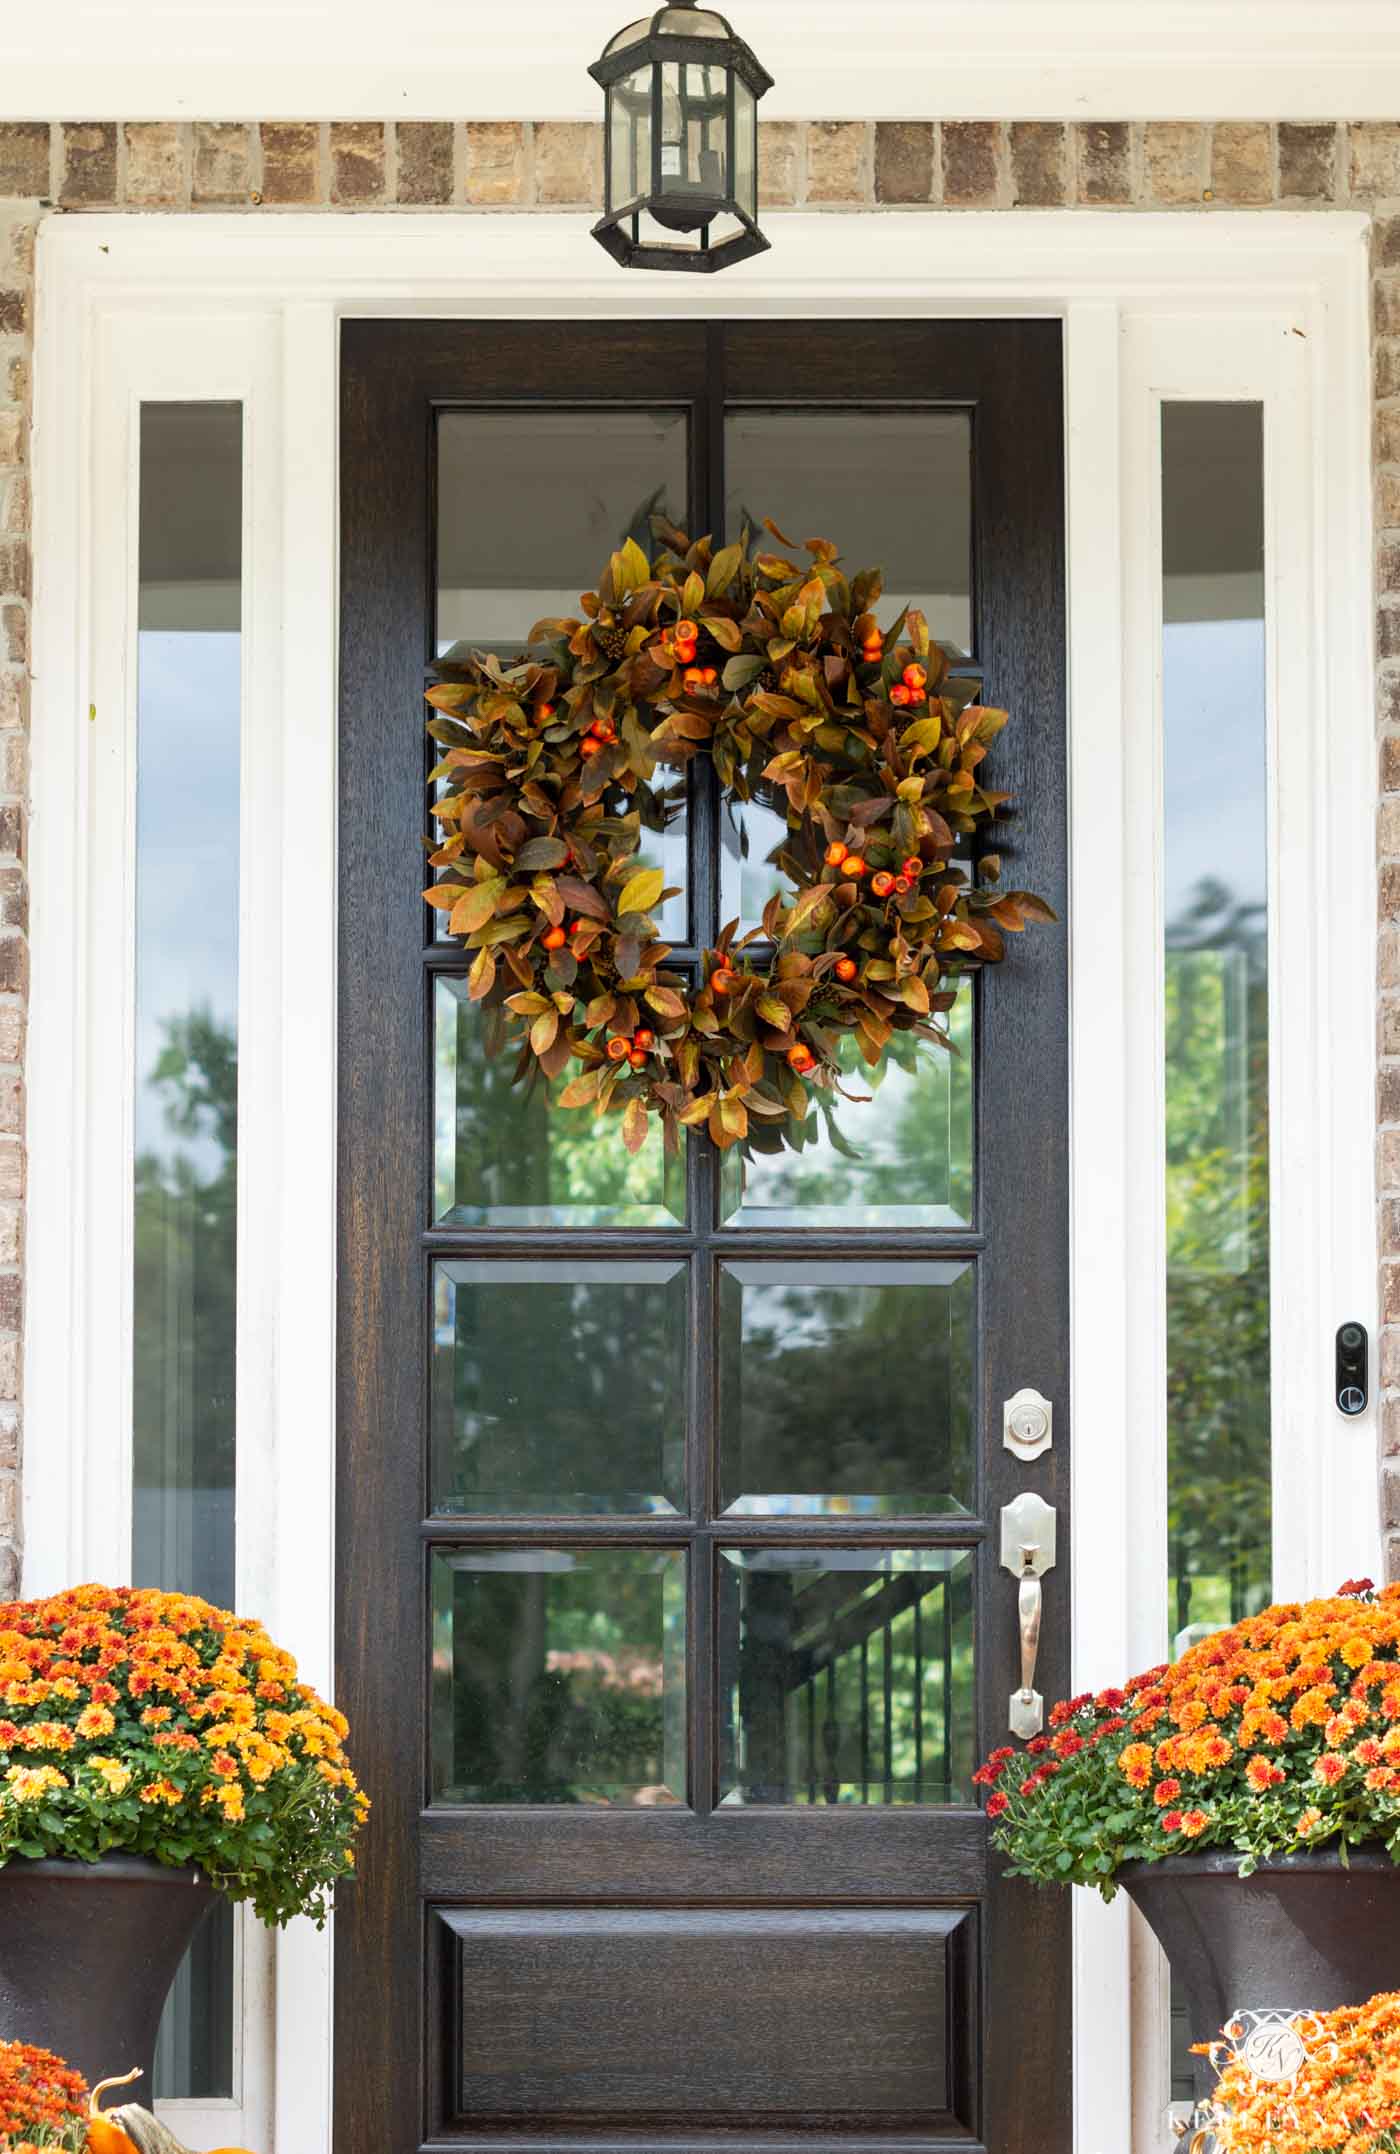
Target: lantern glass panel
[(745, 149), (691, 22), (629, 36), (629, 108)]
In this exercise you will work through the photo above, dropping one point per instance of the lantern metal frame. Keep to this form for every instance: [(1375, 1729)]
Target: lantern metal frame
[(619, 230)]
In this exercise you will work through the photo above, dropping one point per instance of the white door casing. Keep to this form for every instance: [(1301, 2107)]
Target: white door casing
[(1264, 305)]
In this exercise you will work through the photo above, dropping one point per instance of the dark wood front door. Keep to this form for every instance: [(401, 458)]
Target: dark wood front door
[(671, 1625)]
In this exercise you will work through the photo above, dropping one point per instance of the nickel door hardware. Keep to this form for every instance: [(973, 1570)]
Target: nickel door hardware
[(1027, 1424), (1028, 1551)]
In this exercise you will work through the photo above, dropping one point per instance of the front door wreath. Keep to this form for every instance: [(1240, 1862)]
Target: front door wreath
[(781, 673)]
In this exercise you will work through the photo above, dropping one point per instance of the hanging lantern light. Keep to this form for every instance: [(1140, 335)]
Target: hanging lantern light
[(680, 143)]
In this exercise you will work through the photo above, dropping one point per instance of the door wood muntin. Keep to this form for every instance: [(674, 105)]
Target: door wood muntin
[(671, 1856)]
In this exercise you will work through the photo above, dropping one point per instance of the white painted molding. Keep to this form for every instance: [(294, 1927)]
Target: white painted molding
[(885, 59), (1299, 276)]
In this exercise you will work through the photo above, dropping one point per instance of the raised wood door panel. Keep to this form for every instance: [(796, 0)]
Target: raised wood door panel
[(782, 1939)]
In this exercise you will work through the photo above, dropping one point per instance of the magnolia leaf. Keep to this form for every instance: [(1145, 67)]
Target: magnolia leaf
[(738, 672), (723, 569), (580, 1091), (634, 1125), (544, 1031), (482, 977), (444, 896), (541, 853), (640, 892), (582, 897)]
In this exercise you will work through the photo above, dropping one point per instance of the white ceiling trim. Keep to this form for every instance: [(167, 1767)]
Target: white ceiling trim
[(881, 59)]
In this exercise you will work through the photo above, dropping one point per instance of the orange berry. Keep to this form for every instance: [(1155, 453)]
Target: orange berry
[(543, 711), (853, 865), (603, 729), (693, 677), (900, 694), (588, 746), (637, 1059), (902, 886), (643, 1038), (914, 677), (709, 676), (846, 968), (835, 854), (618, 1048), (685, 631), (873, 648), (913, 867), (801, 1059), (722, 980), (553, 938), (882, 884)]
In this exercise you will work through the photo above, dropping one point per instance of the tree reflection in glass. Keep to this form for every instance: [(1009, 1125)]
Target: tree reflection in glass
[(559, 1676)]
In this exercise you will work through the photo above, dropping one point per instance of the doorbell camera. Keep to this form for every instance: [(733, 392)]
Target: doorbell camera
[(1352, 1369)]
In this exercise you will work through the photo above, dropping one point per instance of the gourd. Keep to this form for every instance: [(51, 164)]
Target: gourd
[(131, 2129)]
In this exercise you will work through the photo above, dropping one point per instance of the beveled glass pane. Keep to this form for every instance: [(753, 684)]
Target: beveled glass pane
[(503, 1157), (846, 1389), (1216, 879), (892, 488), (751, 835), (558, 1676), (184, 1311), (846, 1675), (899, 1157), (530, 503), (558, 1387)]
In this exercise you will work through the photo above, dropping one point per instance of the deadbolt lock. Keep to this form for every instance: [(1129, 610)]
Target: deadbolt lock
[(1027, 1424)]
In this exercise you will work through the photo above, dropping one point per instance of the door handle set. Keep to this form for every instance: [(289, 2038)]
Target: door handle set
[(1028, 1552)]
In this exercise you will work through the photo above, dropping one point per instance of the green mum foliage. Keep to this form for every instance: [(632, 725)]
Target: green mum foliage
[(554, 773)]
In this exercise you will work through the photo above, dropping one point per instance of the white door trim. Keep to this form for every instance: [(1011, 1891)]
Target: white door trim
[(1301, 277)]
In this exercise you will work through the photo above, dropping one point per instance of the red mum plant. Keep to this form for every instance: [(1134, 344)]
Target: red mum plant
[(1281, 1732)]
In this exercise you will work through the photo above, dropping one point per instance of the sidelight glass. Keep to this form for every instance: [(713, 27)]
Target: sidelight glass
[(1216, 972), (846, 1389), (897, 1153), (1215, 873), (503, 1157), (530, 503), (558, 1387), (846, 1675), (559, 1676), (184, 1316)]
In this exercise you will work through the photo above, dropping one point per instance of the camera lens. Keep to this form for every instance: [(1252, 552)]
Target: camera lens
[(1351, 1337)]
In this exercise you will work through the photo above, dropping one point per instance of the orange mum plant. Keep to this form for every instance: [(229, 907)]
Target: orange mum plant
[(148, 1723), (42, 2102), (1344, 2095), (1281, 1732)]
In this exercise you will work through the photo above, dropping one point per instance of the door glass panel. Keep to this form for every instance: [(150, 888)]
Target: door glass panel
[(503, 1157), (530, 503), (805, 1427), (184, 1316), (892, 488), (558, 1387), (900, 1157), (752, 834), (1217, 1014), (558, 1676), (846, 1675)]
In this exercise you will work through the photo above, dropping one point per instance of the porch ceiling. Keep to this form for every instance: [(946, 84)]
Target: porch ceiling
[(1069, 59)]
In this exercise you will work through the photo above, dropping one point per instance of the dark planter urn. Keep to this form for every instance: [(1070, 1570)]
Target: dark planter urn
[(1303, 1934), (88, 1952)]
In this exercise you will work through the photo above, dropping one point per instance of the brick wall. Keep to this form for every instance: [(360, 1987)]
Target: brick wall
[(819, 164)]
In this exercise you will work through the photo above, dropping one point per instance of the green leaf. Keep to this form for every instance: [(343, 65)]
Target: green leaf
[(723, 569), (640, 892)]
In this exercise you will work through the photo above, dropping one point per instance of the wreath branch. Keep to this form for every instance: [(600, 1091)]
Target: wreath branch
[(553, 772)]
